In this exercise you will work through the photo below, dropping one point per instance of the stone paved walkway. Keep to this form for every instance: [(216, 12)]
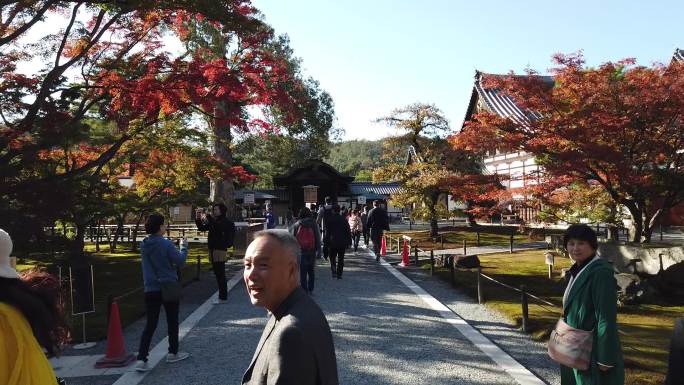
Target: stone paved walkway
[(384, 334)]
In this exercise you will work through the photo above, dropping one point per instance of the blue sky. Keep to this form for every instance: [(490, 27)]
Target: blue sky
[(377, 55)]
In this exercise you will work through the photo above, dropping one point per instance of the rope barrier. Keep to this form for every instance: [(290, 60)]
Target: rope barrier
[(128, 293)]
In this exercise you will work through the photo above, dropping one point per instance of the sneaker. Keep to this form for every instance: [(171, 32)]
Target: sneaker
[(180, 356), (219, 301), (142, 366)]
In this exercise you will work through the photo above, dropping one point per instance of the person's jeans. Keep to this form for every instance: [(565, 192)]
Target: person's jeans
[(153, 304), (307, 270), (220, 273), (366, 233), (356, 236), (376, 238), (337, 260), (326, 249)]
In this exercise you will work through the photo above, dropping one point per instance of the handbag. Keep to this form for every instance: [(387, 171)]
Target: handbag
[(569, 346), (170, 291)]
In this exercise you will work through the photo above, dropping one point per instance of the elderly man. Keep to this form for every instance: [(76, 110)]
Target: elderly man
[(296, 346)]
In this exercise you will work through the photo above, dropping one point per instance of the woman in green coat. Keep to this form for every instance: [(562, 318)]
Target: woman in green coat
[(590, 303)]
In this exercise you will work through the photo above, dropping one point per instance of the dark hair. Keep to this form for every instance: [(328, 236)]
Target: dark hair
[(328, 200), (304, 213), (376, 203), (222, 208), (336, 208), (37, 296), (580, 232), (154, 223)]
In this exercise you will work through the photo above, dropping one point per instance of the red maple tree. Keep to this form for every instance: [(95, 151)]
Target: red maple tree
[(617, 124)]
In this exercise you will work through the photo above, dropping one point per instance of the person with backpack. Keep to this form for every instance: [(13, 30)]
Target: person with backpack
[(378, 223), (220, 238), (324, 213), (309, 239), (337, 237)]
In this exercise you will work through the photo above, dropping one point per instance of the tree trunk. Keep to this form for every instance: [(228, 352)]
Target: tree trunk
[(434, 226), (134, 242), (97, 236), (76, 255), (119, 231), (222, 189), (636, 230)]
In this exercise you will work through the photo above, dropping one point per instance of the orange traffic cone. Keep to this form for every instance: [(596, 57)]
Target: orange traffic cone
[(116, 350), (383, 247), (405, 255)]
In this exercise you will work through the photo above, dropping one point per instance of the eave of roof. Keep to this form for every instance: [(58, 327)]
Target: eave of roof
[(678, 55)]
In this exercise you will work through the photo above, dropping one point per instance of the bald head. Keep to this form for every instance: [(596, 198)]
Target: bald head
[(271, 268)]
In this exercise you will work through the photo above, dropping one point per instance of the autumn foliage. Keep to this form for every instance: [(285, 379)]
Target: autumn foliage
[(618, 125), (106, 75)]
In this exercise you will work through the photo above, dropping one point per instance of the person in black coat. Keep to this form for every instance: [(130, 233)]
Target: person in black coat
[(220, 238), (338, 237), (378, 223)]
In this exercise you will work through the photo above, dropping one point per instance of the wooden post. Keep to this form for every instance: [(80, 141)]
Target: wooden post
[(465, 247), (415, 253), (525, 310), (478, 238), (432, 262), (451, 261), (661, 229), (660, 258), (550, 271), (511, 241), (441, 237), (199, 257), (480, 293)]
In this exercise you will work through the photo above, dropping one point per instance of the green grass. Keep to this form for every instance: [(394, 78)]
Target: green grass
[(649, 326), (115, 273), (454, 239)]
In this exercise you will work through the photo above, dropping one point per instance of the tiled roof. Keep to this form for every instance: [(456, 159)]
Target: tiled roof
[(263, 194), (678, 55), (371, 190), (502, 104)]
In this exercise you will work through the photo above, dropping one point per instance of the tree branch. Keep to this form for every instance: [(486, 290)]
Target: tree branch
[(25, 27)]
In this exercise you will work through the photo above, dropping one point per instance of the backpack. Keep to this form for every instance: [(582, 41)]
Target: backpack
[(338, 233), (306, 238)]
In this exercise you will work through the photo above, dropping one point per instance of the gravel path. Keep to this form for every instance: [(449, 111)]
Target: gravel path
[(492, 324), (383, 334)]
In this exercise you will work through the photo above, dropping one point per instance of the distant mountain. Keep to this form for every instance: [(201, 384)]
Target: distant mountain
[(356, 157)]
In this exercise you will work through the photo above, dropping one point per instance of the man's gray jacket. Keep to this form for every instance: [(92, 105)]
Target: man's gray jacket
[(296, 347)]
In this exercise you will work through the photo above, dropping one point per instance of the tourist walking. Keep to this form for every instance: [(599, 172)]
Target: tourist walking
[(31, 319), (378, 223), (324, 212), (220, 238), (590, 307), (309, 238), (296, 346), (160, 263), (338, 237), (270, 218), (364, 222), (356, 227)]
